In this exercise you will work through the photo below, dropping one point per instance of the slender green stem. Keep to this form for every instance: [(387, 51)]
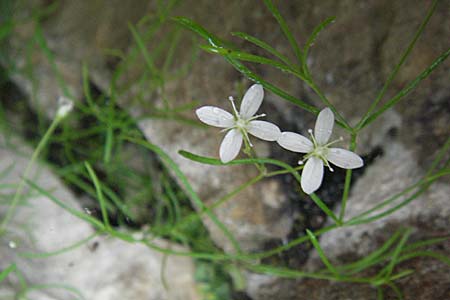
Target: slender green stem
[(398, 66), (322, 255), (281, 172), (440, 155), (325, 208), (19, 191), (348, 180), (98, 190), (251, 153), (327, 102)]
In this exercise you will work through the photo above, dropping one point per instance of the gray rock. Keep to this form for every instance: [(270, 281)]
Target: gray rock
[(101, 268)]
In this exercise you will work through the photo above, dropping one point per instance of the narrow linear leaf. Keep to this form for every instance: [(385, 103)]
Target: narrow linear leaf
[(398, 66), (407, 256), (283, 25), (387, 271), (218, 43), (394, 100), (98, 190), (148, 60), (262, 45), (96, 223), (277, 91), (59, 251), (195, 27), (243, 56), (7, 271), (322, 255), (312, 38), (373, 258), (5, 29)]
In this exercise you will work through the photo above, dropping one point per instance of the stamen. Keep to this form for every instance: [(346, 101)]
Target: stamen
[(310, 131), (256, 117), (234, 106), (340, 139), (247, 137), (327, 164)]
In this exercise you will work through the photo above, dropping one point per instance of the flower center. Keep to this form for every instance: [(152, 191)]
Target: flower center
[(321, 152), (241, 123)]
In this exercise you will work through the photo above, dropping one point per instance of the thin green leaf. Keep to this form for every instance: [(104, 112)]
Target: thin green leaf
[(98, 190), (59, 251), (443, 258), (312, 38), (148, 60), (5, 29), (394, 100), (243, 56), (387, 271), (96, 223), (193, 26), (421, 186), (218, 43), (277, 91), (398, 66), (276, 13), (373, 258), (11, 268), (41, 41), (425, 243), (322, 255), (263, 45), (217, 162)]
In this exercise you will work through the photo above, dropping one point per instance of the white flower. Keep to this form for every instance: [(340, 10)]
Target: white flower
[(318, 151), (65, 105), (239, 124)]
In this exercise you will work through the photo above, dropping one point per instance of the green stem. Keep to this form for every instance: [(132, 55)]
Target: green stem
[(325, 100), (325, 208), (35, 155), (348, 180), (248, 149)]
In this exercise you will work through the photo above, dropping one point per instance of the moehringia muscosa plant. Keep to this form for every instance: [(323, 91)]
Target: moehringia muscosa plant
[(317, 148)]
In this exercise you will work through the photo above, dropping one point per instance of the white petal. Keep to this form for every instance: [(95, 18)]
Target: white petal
[(295, 142), (324, 126), (264, 130), (231, 145), (312, 175), (252, 101), (215, 116), (344, 158)]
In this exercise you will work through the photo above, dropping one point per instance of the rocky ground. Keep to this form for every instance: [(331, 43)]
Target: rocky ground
[(350, 62)]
